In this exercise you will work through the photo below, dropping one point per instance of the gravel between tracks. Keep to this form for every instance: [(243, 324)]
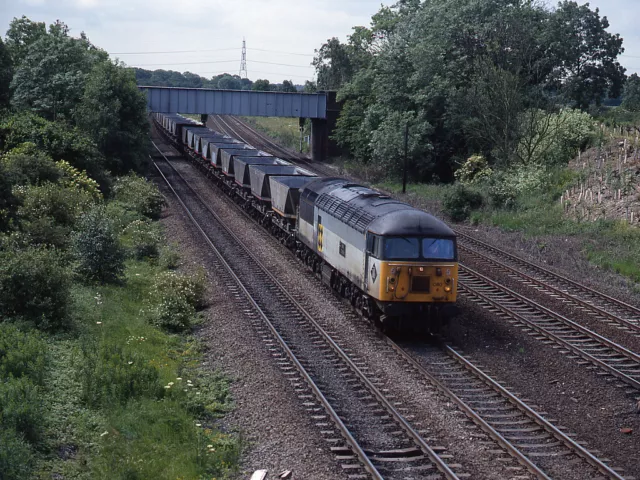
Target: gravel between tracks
[(277, 431), (587, 403), (442, 421)]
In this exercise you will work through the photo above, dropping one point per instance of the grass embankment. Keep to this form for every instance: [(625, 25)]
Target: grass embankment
[(611, 245), (102, 379), (121, 398), (285, 131)]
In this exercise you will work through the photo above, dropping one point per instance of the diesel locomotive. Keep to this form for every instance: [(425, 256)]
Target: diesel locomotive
[(397, 265)]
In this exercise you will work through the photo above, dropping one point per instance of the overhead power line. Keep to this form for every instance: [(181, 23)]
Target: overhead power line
[(212, 50), (174, 51), (283, 75), (183, 63)]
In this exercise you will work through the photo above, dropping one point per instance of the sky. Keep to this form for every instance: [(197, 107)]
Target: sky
[(281, 35)]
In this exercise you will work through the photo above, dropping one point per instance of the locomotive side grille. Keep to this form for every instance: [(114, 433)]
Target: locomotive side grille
[(420, 284)]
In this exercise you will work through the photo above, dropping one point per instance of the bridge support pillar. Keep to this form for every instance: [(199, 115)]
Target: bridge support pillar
[(322, 146), (204, 118), (319, 139)]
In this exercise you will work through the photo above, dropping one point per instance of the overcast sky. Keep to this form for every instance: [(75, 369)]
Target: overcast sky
[(281, 35)]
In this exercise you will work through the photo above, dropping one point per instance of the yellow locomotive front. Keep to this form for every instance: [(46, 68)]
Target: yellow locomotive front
[(412, 270)]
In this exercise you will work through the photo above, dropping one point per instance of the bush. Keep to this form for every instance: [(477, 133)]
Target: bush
[(21, 408), (143, 238), (459, 202), (49, 212), (174, 299), (16, 459), (474, 170), (22, 354), (173, 313), (27, 166), (169, 257), (34, 286), (74, 178), (97, 249), (110, 375), (142, 195), (121, 214), (191, 287)]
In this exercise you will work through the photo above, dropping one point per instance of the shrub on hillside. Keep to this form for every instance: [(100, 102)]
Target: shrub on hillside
[(475, 170), (174, 299), (141, 194), (48, 212), (110, 375), (22, 354), (25, 165), (460, 201), (34, 286), (143, 238), (121, 214), (21, 408), (96, 247), (16, 459), (190, 286)]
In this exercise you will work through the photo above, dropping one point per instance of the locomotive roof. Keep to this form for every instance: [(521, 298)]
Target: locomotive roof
[(366, 209)]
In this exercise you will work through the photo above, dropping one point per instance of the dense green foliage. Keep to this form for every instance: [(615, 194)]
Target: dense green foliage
[(141, 194), (85, 374), (113, 111), (631, 95), (34, 287), (96, 247), (6, 75), (465, 77)]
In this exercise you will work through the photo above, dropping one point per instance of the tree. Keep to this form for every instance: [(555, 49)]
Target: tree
[(631, 95), (585, 55), (113, 111), (288, 86), (21, 35), (333, 65), (50, 80), (310, 87), (6, 74), (262, 85)]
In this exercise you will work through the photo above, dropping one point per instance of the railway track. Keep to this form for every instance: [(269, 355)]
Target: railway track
[(509, 421), (603, 307), (530, 439), (588, 347), (370, 436)]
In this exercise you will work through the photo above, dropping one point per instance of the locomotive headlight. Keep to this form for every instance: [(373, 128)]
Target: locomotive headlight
[(394, 271), (422, 269), (392, 280), (447, 287)]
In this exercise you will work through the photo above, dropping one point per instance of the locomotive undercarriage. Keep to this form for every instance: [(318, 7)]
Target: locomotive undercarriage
[(430, 319)]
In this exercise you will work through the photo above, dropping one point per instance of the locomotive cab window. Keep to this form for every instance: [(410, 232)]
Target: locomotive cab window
[(414, 248)]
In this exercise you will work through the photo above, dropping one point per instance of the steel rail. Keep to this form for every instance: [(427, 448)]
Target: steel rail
[(550, 288), (416, 437), (515, 401), (485, 426), (545, 271), (545, 332), (470, 412), (362, 456)]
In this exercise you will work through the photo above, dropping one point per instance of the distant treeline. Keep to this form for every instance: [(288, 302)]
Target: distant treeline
[(225, 81)]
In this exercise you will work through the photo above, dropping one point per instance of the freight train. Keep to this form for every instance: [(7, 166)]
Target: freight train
[(397, 265)]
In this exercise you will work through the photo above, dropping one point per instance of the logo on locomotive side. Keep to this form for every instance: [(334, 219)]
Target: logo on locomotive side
[(374, 273)]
